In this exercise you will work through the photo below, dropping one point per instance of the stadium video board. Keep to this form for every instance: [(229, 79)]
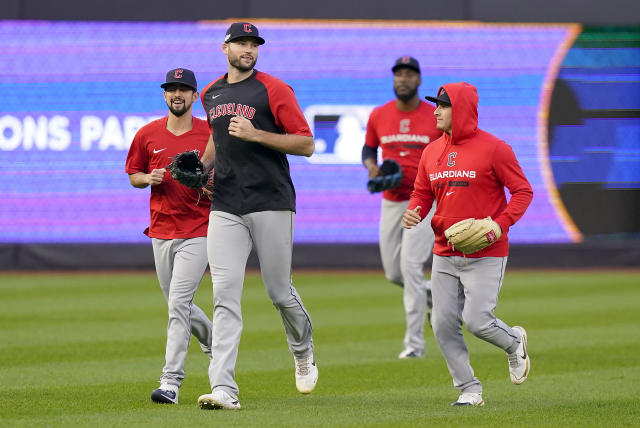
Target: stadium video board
[(75, 93)]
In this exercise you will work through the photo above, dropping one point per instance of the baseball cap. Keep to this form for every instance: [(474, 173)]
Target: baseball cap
[(406, 62), (242, 29), (442, 97), (181, 75)]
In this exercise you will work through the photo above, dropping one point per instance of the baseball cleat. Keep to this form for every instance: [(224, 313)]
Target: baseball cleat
[(166, 394), (407, 354), (519, 362), (469, 399), (218, 400), (306, 374)]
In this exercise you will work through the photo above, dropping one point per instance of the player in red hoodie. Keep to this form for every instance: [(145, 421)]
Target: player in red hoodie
[(466, 171)]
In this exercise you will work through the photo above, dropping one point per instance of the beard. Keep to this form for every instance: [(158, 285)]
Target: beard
[(178, 112), (406, 96), (235, 62)]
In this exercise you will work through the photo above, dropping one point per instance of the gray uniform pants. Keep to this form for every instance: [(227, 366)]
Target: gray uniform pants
[(230, 239), (404, 253), (180, 265), (466, 290)]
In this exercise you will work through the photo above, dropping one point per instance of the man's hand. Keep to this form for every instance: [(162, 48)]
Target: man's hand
[(156, 176), (372, 167), (242, 128), (411, 218)]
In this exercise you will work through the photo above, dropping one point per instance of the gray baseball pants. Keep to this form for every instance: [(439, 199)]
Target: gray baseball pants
[(404, 253), (230, 239), (180, 265), (466, 290)]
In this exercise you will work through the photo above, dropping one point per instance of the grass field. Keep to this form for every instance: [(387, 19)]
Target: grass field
[(86, 349)]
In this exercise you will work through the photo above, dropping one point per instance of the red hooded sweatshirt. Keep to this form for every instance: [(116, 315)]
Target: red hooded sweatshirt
[(466, 173)]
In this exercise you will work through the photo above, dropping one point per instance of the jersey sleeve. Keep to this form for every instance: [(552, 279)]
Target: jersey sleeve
[(508, 171), (138, 156), (371, 138), (422, 194), (286, 111)]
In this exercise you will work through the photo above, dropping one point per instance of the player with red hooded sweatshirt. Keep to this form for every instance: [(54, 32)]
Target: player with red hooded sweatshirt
[(466, 171)]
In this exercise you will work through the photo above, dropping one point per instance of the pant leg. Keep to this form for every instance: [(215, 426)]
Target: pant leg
[(228, 245), (391, 240), (272, 235), (180, 264), (191, 262), (417, 245), (446, 319), (482, 279)]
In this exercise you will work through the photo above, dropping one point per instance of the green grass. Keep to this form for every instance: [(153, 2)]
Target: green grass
[(86, 349)]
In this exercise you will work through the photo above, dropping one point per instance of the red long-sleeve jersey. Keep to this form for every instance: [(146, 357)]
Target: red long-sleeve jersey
[(466, 173)]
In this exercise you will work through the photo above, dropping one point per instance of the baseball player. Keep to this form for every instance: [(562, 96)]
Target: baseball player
[(255, 121), (466, 171), (178, 223), (403, 128)]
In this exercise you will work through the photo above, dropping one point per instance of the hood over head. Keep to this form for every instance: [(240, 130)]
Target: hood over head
[(464, 109)]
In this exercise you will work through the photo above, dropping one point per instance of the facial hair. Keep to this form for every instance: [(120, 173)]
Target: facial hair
[(177, 112), (407, 96), (235, 62)]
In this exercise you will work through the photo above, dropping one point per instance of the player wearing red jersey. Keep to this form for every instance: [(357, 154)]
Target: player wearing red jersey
[(402, 128), (178, 226), (255, 122), (466, 171)]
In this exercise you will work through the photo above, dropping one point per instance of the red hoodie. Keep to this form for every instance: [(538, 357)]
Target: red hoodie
[(466, 172)]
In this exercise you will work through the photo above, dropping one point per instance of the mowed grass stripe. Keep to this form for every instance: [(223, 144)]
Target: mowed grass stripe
[(535, 404), (92, 355)]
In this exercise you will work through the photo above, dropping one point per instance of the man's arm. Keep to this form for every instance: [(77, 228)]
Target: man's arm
[(422, 195), (209, 155), (370, 160), (510, 174), (291, 144), (142, 179)]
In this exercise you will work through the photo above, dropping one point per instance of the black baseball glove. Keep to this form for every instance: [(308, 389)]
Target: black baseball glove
[(187, 169), (389, 176)]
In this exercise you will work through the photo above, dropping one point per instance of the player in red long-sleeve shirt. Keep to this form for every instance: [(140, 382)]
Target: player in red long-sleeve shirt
[(466, 171)]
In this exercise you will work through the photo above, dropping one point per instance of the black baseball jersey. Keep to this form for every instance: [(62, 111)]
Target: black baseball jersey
[(250, 177)]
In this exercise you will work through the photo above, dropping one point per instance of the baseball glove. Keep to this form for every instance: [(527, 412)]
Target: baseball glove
[(187, 169), (389, 176), (473, 234)]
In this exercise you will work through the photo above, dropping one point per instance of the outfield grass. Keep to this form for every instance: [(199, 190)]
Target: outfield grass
[(87, 349)]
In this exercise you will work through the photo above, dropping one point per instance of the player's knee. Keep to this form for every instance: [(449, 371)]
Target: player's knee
[(477, 327), (395, 278), (282, 302), (443, 326)]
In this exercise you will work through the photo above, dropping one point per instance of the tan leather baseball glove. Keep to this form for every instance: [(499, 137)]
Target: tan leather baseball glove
[(473, 234)]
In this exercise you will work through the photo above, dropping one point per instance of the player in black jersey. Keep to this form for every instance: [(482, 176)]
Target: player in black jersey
[(255, 121)]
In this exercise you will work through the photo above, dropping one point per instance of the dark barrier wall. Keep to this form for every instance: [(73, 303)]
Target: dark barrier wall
[(17, 257), (615, 12)]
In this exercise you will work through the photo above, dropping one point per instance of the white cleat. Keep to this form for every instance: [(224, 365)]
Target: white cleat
[(306, 374), (408, 354), (519, 362), (218, 400), (469, 399)]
